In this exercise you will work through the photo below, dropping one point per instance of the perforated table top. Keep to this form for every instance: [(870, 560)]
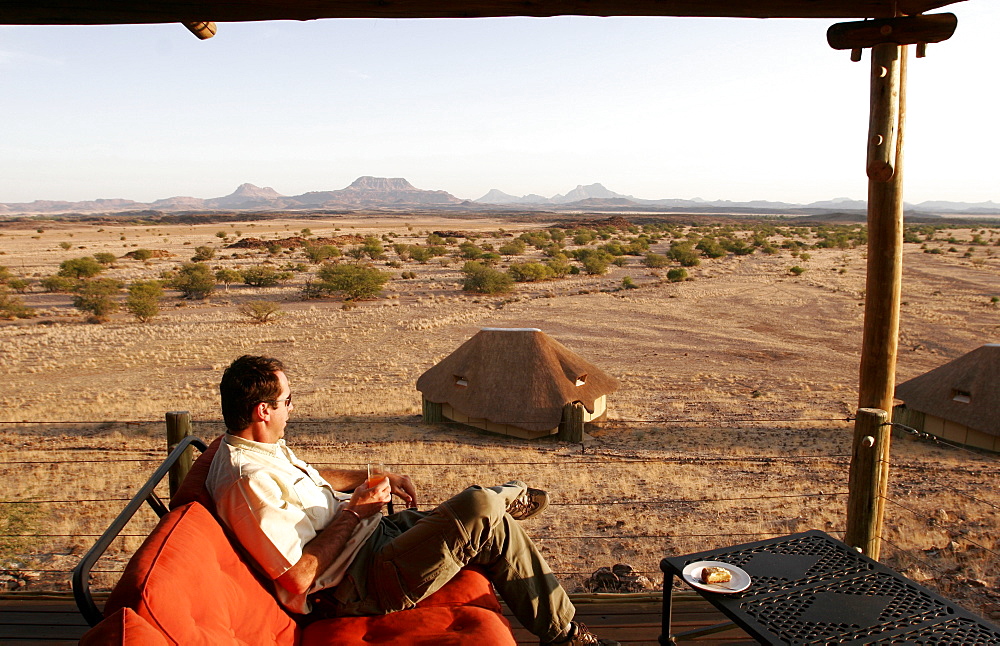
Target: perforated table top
[(810, 588)]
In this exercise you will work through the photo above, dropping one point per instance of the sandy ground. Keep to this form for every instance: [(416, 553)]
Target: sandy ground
[(730, 422)]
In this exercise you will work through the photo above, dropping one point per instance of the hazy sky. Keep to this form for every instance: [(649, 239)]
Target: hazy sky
[(655, 108)]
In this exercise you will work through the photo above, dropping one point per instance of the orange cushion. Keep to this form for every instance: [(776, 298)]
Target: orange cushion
[(123, 627), (465, 611), (187, 581)]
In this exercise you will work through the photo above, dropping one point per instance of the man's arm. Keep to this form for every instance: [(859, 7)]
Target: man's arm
[(349, 480), (321, 551)]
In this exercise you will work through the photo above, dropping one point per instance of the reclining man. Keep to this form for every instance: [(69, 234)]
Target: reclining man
[(310, 539)]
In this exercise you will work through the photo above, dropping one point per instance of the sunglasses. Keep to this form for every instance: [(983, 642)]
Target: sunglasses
[(274, 402)]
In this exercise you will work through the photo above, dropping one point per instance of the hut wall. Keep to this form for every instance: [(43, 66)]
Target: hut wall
[(503, 429), (960, 434)]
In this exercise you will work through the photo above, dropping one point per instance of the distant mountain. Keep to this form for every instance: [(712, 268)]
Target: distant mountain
[(368, 192)]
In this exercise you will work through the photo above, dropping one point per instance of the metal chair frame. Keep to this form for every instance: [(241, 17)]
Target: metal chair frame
[(147, 494)]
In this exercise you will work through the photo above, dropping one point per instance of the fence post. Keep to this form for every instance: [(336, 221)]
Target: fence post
[(571, 426), (868, 481), (179, 427)]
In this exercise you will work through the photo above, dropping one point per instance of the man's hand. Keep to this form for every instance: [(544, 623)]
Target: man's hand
[(403, 487), (367, 501)]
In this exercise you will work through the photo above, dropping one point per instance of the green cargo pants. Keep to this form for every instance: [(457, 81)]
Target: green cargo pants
[(414, 553)]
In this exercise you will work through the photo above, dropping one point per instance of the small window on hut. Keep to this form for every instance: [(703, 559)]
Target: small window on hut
[(962, 396), (582, 379), (461, 381)]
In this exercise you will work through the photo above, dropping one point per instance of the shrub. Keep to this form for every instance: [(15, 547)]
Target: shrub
[(262, 276), (142, 255), (655, 260), (596, 263), (260, 311), (469, 250), (66, 245), (5, 274), (105, 257), (628, 283), (19, 285), (798, 271), (373, 248), (203, 253), (420, 254), (143, 301), (194, 280), (355, 282), (56, 283), (318, 253), (85, 267), (528, 272), (12, 307), (485, 280), (513, 248), (677, 274), (96, 296), (684, 253), (227, 277)]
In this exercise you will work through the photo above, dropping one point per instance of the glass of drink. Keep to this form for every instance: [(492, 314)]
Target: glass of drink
[(376, 474)]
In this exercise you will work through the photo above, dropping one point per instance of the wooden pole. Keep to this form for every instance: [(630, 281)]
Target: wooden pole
[(571, 426), (868, 481), (869, 477), (433, 412), (885, 230), (179, 427)]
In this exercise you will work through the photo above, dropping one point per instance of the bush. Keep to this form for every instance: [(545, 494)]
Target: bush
[(5, 274), (56, 283), (318, 253), (354, 281), (260, 311), (142, 255), (105, 257), (12, 307), (628, 283), (798, 271), (485, 280), (684, 253), (96, 296), (85, 267), (143, 301), (194, 280), (655, 260), (469, 250), (529, 272), (202, 254), (227, 277), (19, 285), (262, 276), (677, 274)]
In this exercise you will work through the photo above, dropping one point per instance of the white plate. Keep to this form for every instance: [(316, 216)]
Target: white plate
[(739, 582)]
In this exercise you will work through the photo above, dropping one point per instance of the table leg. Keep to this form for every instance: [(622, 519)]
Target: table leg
[(668, 592)]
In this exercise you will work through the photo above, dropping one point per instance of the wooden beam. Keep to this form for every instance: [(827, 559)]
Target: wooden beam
[(909, 30), (72, 12), (179, 427)]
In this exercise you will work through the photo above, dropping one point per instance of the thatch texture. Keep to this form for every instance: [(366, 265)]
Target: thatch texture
[(70, 12), (517, 377), (965, 391)]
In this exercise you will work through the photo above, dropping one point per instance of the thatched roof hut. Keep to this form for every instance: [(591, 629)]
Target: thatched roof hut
[(515, 381), (959, 401)]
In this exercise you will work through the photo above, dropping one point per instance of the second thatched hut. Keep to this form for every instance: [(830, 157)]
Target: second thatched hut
[(516, 381)]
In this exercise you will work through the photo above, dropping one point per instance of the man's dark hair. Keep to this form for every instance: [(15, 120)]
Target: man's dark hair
[(246, 382)]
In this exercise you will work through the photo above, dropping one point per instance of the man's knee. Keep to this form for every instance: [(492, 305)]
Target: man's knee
[(477, 503)]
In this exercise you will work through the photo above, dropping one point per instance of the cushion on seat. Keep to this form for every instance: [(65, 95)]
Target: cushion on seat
[(187, 581), (123, 627)]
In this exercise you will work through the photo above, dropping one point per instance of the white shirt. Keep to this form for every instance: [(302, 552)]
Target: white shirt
[(275, 504)]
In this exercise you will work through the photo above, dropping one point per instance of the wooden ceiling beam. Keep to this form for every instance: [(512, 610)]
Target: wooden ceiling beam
[(90, 12)]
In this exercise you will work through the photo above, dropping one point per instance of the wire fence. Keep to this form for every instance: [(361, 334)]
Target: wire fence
[(43, 536)]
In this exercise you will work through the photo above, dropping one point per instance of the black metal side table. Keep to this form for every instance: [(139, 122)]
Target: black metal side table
[(810, 588)]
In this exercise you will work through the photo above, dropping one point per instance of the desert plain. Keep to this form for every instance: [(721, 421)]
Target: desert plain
[(731, 422)]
